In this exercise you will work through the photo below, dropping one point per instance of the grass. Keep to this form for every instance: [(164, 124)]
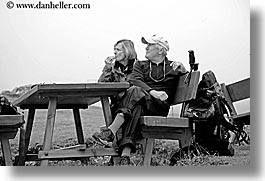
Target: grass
[(64, 128), (92, 119)]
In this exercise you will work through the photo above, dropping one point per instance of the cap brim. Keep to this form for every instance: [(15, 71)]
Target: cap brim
[(148, 41)]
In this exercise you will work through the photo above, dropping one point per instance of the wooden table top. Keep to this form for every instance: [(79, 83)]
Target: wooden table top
[(68, 95)]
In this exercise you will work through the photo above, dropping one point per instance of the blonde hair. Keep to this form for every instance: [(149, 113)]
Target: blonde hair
[(128, 49)]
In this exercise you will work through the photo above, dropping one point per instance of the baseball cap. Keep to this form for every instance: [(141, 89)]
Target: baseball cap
[(156, 39)]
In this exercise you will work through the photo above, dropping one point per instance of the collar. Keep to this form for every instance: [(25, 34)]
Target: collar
[(119, 65), (124, 69), (166, 61)]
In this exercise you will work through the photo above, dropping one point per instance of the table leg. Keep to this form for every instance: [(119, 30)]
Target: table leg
[(78, 126), (106, 110), (24, 138), (47, 144), (108, 120), (6, 152)]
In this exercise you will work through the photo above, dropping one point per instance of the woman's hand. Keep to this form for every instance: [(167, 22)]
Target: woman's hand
[(109, 63), (110, 60)]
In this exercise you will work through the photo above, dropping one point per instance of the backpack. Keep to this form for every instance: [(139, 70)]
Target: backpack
[(6, 108), (209, 108), (202, 107), (213, 130)]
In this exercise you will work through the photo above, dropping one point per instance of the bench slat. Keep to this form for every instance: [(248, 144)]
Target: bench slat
[(239, 90), (235, 92), (165, 121), (186, 90), (74, 153), (10, 120), (164, 133)]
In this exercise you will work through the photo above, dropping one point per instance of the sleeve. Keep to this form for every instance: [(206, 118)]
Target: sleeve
[(182, 69), (102, 77), (106, 70), (137, 77)]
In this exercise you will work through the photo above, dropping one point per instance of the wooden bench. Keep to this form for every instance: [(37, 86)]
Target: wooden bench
[(9, 125), (236, 92), (175, 128)]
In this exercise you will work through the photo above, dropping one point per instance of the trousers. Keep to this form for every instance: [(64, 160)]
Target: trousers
[(135, 103)]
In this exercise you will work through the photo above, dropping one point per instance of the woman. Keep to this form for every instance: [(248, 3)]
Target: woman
[(119, 68)]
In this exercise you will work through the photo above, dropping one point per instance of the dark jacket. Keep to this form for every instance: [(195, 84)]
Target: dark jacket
[(117, 72), (163, 77)]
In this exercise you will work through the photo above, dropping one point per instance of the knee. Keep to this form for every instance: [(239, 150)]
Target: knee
[(120, 114)]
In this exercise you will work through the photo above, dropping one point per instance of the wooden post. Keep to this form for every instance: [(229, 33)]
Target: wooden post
[(6, 152), (148, 151), (106, 110), (78, 126), (47, 144), (24, 138)]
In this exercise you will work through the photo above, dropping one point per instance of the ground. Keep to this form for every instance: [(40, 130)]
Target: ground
[(92, 119)]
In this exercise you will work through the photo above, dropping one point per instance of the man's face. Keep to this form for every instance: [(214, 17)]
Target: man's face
[(151, 51)]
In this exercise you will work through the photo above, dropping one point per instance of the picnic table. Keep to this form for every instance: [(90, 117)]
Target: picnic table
[(65, 96)]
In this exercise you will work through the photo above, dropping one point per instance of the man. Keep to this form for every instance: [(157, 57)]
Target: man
[(152, 93), (157, 75)]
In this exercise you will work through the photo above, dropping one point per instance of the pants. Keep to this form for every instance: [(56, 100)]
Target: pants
[(136, 103)]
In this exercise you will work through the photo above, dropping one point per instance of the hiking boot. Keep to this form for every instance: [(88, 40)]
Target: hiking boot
[(89, 142), (125, 161), (104, 135)]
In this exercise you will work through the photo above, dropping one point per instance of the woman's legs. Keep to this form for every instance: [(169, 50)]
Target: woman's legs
[(107, 134), (123, 110), (118, 121)]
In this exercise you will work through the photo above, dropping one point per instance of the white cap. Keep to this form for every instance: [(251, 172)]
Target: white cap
[(155, 39)]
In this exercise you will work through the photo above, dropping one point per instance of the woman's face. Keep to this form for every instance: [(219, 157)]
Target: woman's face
[(118, 52)]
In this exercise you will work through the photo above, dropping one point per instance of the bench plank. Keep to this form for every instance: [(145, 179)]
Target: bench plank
[(11, 120), (239, 90), (186, 90), (235, 92), (164, 133), (75, 153), (164, 121)]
